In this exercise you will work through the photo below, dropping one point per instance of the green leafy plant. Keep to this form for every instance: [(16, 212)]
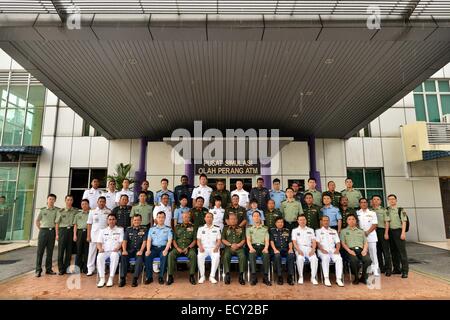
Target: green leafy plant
[(122, 171)]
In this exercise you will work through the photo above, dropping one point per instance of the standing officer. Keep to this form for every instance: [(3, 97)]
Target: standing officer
[(291, 209), (167, 208), (345, 210), (122, 212), (109, 243), (317, 195), (198, 213), (281, 244), (354, 242), (243, 195), (305, 249), (144, 209), (64, 234), (312, 212), (125, 191), (328, 244), (150, 199), (208, 242), (183, 245), (160, 193), (271, 214), (254, 207), (353, 195), (110, 195), (203, 190), (183, 189), (233, 238), (178, 213), (97, 220), (383, 249), (335, 195), (241, 212), (93, 193), (368, 222), (222, 193), (80, 235), (298, 195), (45, 222), (396, 222), (218, 213), (331, 212), (133, 246), (159, 241), (260, 193), (276, 194), (258, 245), (4, 217)]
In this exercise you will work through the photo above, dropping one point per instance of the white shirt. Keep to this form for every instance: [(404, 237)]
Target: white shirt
[(204, 192), (218, 214), (208, 236), (243, 197), (366, 219), (328, 238), (98, 219), (129, 193), (110, 238), (303, 236), (92, 195), (168, 212), (110, 199)]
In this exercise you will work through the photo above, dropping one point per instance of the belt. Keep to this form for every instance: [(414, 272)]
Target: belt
[(82, 230), (69, 227), (47, 228), (158, 247)]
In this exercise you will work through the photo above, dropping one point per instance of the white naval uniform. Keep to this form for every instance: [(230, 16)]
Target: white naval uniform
[(168, 211), (243, 197), (328, 238), (92, 195), (129, 193), (110, 238), (98, 219), (110, 199), (208, 236), (204, 192), (366, 219), (218, 214), (304, 238)]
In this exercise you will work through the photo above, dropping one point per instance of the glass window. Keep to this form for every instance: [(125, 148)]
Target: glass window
[(33, 126), (80, 180), (17, 97), (430, 86), (368, 180), (357, 176), (444, 86), (420, 108), (418, 88), (445, 104), (433, 108), (301, 184)]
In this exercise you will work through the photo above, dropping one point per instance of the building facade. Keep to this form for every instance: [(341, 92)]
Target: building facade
[(73, 153)]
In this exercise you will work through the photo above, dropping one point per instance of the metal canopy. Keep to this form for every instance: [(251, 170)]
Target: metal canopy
[(146, 74)]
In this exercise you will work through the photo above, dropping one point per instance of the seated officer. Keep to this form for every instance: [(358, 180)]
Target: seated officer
[(304, 242), (233, 238), (355, 244), (159, 241), (280, 241), (133, 246), (109, 243), (328, 244), (258, 245), (183, 245), (208, 242)]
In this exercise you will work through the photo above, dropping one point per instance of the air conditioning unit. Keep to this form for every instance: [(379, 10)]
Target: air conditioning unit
[(446, 118)]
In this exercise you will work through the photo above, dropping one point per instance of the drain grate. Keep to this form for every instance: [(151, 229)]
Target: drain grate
[(3, 262)]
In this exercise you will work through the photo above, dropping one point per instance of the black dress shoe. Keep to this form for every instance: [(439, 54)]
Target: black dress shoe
[(280, 281), (61, 273), (241, 279), (290, 280), (122, 282), (38, 274), (134, 283), (170, 280), (161, 280), (363, 280), (266, 281), (388, 273), (253, 280), (396, 272), (192, 279), (148, 280), (356, 280), (227, 278), (50, 272), (404, 275)]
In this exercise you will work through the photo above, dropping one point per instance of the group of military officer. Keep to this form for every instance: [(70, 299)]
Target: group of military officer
[(266, 224)]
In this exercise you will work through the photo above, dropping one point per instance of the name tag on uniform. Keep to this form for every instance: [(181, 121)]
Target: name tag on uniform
[(203, 232)]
